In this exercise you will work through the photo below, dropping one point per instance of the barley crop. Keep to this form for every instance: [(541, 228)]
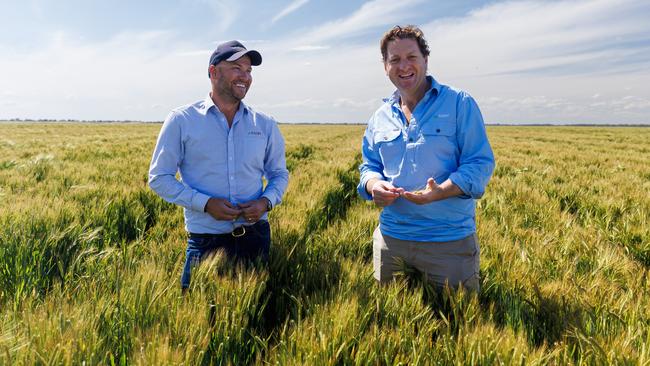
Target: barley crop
[(90, 259)]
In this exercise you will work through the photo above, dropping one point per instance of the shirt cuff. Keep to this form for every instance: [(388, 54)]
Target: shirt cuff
[(199, 200), (269, 196), (458, 180), (361, 188)]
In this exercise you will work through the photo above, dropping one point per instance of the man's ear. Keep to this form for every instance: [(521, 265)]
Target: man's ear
[(212, 71)]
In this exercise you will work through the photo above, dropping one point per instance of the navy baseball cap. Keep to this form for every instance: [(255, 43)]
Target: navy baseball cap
[(232, 51)]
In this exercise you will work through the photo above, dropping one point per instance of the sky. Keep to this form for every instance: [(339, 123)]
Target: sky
[(523, 61)]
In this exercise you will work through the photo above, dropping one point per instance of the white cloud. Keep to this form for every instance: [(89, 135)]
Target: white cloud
[(330, 86), (632, 102), (572, 52), (354, 103), (536, 36), (372, 14), (302, 103), (295, 5), (542, 60), (101, 80), (195, 53), (524, 61), (226, 12), (310, 48)]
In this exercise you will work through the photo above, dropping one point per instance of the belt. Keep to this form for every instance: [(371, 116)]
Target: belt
[(237, 232)]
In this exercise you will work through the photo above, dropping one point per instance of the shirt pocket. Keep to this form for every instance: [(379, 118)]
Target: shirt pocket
[(435, 128), (391, 147), (254, 151), (437, 147)]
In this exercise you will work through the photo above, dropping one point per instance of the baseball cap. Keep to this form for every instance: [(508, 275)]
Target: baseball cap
[(232, 51)]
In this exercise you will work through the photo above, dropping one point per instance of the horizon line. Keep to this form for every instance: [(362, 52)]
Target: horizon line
[(495, 124)]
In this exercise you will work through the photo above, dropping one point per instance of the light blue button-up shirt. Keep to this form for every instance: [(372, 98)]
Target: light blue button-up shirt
[(445, 138), (214, 160)]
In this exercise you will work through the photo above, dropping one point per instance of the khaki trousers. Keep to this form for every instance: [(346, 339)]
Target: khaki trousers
[(453, 262)]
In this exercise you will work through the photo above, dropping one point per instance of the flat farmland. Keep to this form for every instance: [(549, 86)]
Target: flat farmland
[(90, 258)]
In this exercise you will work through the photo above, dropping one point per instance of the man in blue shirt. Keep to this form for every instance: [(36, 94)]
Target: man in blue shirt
[(222, 150), (426, 158)]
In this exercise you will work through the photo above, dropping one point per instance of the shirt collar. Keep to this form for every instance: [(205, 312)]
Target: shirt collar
[(435, 88), (209, 103)]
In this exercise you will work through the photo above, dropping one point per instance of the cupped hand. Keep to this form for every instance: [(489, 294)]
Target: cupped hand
[(427, 195)]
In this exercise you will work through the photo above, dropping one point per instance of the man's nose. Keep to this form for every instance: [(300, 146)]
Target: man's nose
[(246, 76)]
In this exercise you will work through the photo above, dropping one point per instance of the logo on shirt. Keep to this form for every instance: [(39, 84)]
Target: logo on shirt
[(443, 115), (254, 133)]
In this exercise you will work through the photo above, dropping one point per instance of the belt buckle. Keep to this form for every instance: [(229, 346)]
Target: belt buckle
[(239, 231)]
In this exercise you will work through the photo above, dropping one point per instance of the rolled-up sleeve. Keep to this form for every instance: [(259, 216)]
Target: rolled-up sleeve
[(371, 165), (275, 167), (476, 161), (167, 157)]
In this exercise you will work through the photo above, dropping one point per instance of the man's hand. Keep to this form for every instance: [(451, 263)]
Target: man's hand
[(222, 209), (383, 193), (433, 192), (253, 210)]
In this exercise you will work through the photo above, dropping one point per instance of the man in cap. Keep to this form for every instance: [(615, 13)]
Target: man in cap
[(426, 159), (222, 150)]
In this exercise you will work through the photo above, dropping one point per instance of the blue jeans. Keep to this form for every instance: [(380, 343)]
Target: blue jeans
[(255, 243)]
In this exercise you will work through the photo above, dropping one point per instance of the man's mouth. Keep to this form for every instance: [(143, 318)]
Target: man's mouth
[(406, 76), (240, 85)]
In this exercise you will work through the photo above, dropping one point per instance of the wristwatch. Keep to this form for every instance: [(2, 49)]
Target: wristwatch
[(269, 206)]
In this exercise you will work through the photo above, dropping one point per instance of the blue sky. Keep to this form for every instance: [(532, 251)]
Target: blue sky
[(524, 61)]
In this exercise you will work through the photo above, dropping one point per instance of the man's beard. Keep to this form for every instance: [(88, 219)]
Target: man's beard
[(227, 92)]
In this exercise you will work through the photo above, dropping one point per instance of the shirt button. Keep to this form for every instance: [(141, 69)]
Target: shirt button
[(437, 130), (231, 177), (411, 140)]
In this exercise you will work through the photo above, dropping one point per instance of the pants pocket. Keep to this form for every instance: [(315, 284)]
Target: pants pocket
[(384, 263), (198, 243), (192, 259), (466, 247)]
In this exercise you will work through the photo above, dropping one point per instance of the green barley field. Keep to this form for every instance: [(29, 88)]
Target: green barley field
[(90, 259)]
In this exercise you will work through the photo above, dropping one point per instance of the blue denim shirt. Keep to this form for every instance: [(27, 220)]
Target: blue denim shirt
[(445, 138), (214, 160)]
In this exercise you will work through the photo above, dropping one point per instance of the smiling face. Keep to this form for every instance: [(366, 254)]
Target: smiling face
[(406, 66), (231, 79)]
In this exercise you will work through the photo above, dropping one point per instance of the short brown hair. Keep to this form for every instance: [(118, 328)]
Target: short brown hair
[(399, 32)]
